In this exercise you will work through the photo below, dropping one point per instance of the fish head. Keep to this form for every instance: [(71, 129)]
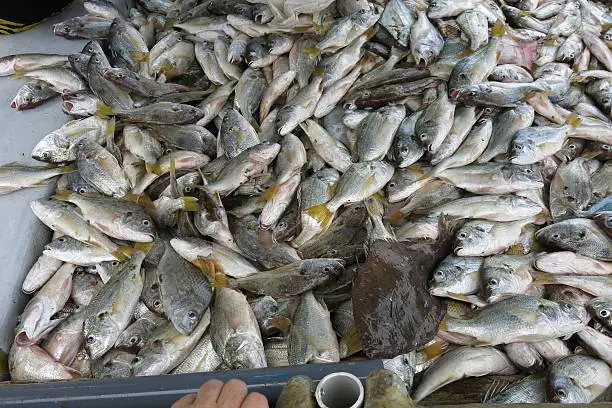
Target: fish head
[(117, 365), (523, 151), (565, 390), (446, 277), (525, 177), (139, 226), (499, 281), (97, 330), (244, 352), (264, 153), (287, 119), (28, 323), (25, 98), (186, 313), (64, 29), (440, 8), (471, 238), (425, 55), (468, 94), (151, 360), (52, 149), (555, 235), (62, 245), (255, 51), (322, 268), (601, 309)]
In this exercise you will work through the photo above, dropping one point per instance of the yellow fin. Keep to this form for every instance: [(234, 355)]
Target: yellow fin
[(143, 246), (281, 323), (139, 56), (221, 280), (312, 51), (542, 278), (104, 110), (499, 29), (67, 169), (141, 199), (190, 203), (269, 193), (435, 349), (444, 323), (352, 341), (396, 217), (573, 120), (63, 195), (152, 168), (320, 213), (370, 32), (123, 253)]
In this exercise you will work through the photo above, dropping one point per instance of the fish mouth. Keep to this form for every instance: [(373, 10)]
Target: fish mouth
[(14, 105), (68, 106), (455, 93), (22, 339)]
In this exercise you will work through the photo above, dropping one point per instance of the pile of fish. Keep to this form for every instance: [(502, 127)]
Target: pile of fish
[(278, 182)]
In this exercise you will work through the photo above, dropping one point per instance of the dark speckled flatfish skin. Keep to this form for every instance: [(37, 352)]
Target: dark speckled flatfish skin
[(394, 312)]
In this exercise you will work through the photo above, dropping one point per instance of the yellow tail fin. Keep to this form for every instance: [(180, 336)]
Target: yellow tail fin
[(269, 193), (143, 246), (142, 200), (320, 213), (352, 340), (573, 120), (67, 169), (104, 110), (435, 349), (139, 56), (190, 204), (499, 29), (370, 32), (123, 253), (312, 51), (444, 323), (63, 195)]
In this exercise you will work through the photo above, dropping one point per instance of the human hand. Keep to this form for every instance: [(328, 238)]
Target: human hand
[(215, 394)]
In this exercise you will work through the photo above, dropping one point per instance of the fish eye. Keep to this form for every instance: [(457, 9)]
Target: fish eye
[(192, 315), (91, 339), (157, 303), (606, 147), (404, 150), (18, 322), (493, 282), (392, 184), (133, 339), (571, 55), (472, 93), (326, 269), (135, 360), (572, 146), (115, 263), (528, 171), (568, 306), (423, 136), (518, 147), (45, 155), (188, 189), (67, 29), (108, 364), (462, 235), (555, 236), (28, 99), (282, 224), (146, 223), (155, 286), (488, 110), (62, 239), (606, 100), (82, 190), (561, 393), (604, 313), (439, 274)]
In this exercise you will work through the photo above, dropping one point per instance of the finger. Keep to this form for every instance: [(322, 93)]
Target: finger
[(209, 392), (232, 394), (255, 400), (185, 402)]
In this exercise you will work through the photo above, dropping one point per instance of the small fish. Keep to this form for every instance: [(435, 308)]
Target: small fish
[(577, 235)]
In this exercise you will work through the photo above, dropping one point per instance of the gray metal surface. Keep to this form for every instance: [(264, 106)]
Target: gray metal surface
[(162, 391), (22, 236)]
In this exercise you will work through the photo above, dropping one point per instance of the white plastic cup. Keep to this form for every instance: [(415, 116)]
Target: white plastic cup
[(339, 390)]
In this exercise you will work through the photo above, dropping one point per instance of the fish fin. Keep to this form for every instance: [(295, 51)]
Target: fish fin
[(143, 246), (154, 168), (67, 169), (444, 323), (499, 29), (318, 72), (496, 387), (573, 120), (320, 213), (280, 322), (19, 73), (312, 51), (123, 253), (142, 200), (466, 53), (110, 130), (63, 195), (269, 193), (436, 349), (590, 155), (104, 110), (139, 56), (542, 278), (523, 13), (396, 217), (473, 299), (78, 131), (221, 280), (352, 341), (190, 203), (424, 177), (206, 266), (370, 32)]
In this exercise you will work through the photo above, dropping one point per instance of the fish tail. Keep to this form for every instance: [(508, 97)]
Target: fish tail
[(396, 217), (19, 73), (123, 253), (269, 193), (436, 349), (221, 280), (352, 341), (67, 169), (104, 110), (143, 246), (189, 203), (370, 32), (152, 168), (499, 29), (320, 213), (573, 120), (312, 51), (141, 199), (139, 56), (425, 177), (444, 323), (63, 195)]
